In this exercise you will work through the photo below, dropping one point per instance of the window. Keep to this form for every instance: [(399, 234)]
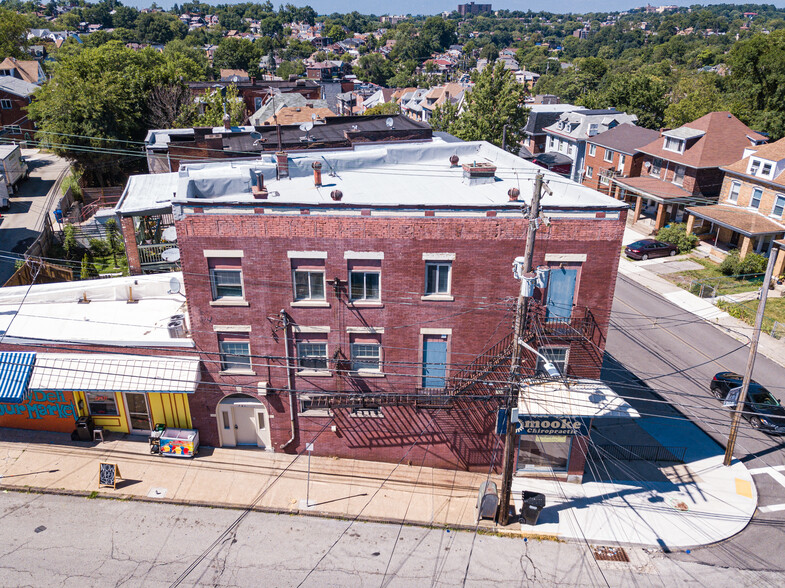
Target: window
[(235, 353), (226, 277), (656, 167), (315, 404), (605, 178), (622, 160), (766, 171), (437, 278), (592, 150), (608, 156), (733, 193), (678, 175), (674, 144), (312, 355), (308, 284), (589, 171), (14, 129), (756, 195), (5, 104), (593, 128), (779, 205), (754, 167), (563, 146), (101, 404), (556, 355), (365, 285), (366, 354)]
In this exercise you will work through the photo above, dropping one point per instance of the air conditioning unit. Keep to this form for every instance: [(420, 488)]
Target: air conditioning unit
[(176, 326)]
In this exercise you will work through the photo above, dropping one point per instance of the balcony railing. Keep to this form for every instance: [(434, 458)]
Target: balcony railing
[(151, 254)]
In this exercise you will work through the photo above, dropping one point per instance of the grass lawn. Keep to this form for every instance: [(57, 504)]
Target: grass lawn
[(775, 311), (97, 264), (711, 274)]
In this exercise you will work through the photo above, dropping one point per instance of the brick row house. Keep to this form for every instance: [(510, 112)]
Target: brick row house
[(614, 154), (15, 96), (683, 167), (365, 299), (749, 213)]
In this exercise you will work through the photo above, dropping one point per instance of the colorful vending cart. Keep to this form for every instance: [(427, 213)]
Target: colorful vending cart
[(180, 442)]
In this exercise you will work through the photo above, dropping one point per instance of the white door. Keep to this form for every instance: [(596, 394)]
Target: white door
[(262, 428), (226, 426), (245, 425), (138, 413)]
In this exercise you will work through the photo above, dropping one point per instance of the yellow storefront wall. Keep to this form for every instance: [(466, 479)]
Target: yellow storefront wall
[(169, 409)]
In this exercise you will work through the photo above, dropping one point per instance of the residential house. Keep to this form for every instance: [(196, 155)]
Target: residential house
[(540, 116), (325, 70), (614, 154), (268, 111), (256, 92), (15, 95), (527, 78), (568, 135), (29, 71), (234, 75), (358, 296), (381, 96), (749, 212), (683, 167), (451, 93), (412, 104)]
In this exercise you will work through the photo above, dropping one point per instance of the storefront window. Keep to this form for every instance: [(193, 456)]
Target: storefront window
[(544, 452), (101, 404)]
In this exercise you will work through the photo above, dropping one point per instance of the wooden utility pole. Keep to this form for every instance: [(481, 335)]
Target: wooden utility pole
[(745, 384), (503, 516)]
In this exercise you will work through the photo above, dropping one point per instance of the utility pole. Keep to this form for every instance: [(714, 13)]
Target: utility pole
[(512, 392), (745, 384)]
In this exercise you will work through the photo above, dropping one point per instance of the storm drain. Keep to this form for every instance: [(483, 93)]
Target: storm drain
[(602, 553)]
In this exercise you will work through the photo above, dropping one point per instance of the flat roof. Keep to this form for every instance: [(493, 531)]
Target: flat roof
[(583, 397), (401, 175), (52, 313)]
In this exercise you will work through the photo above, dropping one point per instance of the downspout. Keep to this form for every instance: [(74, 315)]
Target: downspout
[(290, 381)]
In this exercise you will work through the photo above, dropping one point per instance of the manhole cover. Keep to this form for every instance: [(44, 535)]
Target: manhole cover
[(602, 553)]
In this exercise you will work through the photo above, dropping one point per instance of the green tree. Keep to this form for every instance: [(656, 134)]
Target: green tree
[(439, 33), (290, 68), (235, 53), (375, 68), (444, 117), (85, 269), (383, 108), (677, 235), (113, 238), (13, 34), (336, 33), (496, 101), (212, 108), (694, 97), (69, 240), (160, 27), (639, 94)]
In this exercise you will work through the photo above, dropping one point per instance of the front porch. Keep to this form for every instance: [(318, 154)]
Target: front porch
[(655, 203)]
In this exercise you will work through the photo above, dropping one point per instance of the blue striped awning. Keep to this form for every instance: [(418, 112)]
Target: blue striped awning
[(15, 370)]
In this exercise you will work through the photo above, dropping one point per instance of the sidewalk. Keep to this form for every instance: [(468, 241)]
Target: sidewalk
[(602, 511), (739, 330)]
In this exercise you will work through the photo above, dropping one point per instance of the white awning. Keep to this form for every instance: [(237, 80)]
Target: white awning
[(583, 398), (114, 373)]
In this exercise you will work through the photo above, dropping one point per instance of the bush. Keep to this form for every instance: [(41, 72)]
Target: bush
[(753, 263), (99, 247), (677, 235)]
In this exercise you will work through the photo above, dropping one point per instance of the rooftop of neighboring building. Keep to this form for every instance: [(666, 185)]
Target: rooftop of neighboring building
[(544, 115), (582, 124), (772, 154), (392, 176), (625, 138), (748, 222), (280, 101), (17, 87), (296, 114), (53, 312), (714, 140), (27, 70)]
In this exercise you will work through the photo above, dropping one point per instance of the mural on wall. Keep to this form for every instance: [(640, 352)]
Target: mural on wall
[(42, 411)]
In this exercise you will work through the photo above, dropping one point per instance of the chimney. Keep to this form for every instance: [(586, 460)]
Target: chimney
[(259, 191), (317, 173), (477, 173), (282, 164), (227, 122)]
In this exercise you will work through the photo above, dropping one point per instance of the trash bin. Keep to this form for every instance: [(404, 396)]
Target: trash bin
[(533, 503), (84, 428)]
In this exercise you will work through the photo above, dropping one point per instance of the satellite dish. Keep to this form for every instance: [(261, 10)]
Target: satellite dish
[(255, 135), (313, 116), (389, 122), (174, 286), (171, 255), (169, 234), (306, 126)]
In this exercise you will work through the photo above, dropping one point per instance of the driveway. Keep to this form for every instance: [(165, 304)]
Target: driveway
[(34, 199)]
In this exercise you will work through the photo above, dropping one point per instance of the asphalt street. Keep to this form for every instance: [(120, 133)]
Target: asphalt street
[(23, 221), (77, 542), (654, 346)]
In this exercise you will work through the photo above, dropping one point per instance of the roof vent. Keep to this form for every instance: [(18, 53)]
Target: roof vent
[(317, 173), (336, 195), (454, 161), (479, 173), (513, 194)]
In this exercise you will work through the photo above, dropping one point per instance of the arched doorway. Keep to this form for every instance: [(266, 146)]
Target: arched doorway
[(243, 420)]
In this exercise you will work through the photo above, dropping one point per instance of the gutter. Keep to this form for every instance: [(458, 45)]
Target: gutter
[(292, 399)]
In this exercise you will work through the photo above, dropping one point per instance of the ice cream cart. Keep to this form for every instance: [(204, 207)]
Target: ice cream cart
[(178, 442)]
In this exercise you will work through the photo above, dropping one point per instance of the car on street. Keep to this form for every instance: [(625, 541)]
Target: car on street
[(647, 248), (761, 409)]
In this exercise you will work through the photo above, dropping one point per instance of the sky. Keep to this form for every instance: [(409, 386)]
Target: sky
[(380, 7)]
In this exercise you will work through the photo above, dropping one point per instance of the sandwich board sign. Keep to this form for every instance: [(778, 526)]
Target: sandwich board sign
[(108, 473)]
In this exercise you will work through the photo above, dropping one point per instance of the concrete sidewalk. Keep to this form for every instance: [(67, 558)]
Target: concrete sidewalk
[(768, 346), (236, 478)]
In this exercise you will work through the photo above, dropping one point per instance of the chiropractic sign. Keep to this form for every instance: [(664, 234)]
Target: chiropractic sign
[(543, 424)]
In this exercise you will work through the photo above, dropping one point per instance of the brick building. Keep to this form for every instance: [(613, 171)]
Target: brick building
[(257, 92), (614, 154), (15, 96), (749, 212), (367, 303), (682, 166)]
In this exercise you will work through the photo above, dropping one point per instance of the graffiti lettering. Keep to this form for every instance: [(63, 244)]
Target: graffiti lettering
[(40, 404)]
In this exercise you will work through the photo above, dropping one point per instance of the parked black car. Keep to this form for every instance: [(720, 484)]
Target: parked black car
[(761, 409), (646, 248)]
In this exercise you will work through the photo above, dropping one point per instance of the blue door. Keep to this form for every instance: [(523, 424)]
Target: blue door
[(561, 292), (434, 363)]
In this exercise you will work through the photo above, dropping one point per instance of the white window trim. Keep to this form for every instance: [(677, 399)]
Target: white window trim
[(730, 191), (307, 329), (774, 206), (365, 301), (680, 142), (232, 328), (363, 254), (760, 200), (592, 150), (610, 152), (4, 101), (227, 300), (566, 257), (430, 296), (435, 331), (589, 171), (544, 350), (675, 175), (366, 330), (438, 256), (309, 301), (306, 254), (223, 253)]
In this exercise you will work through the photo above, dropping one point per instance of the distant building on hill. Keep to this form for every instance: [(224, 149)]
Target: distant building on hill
[(472, 8)]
